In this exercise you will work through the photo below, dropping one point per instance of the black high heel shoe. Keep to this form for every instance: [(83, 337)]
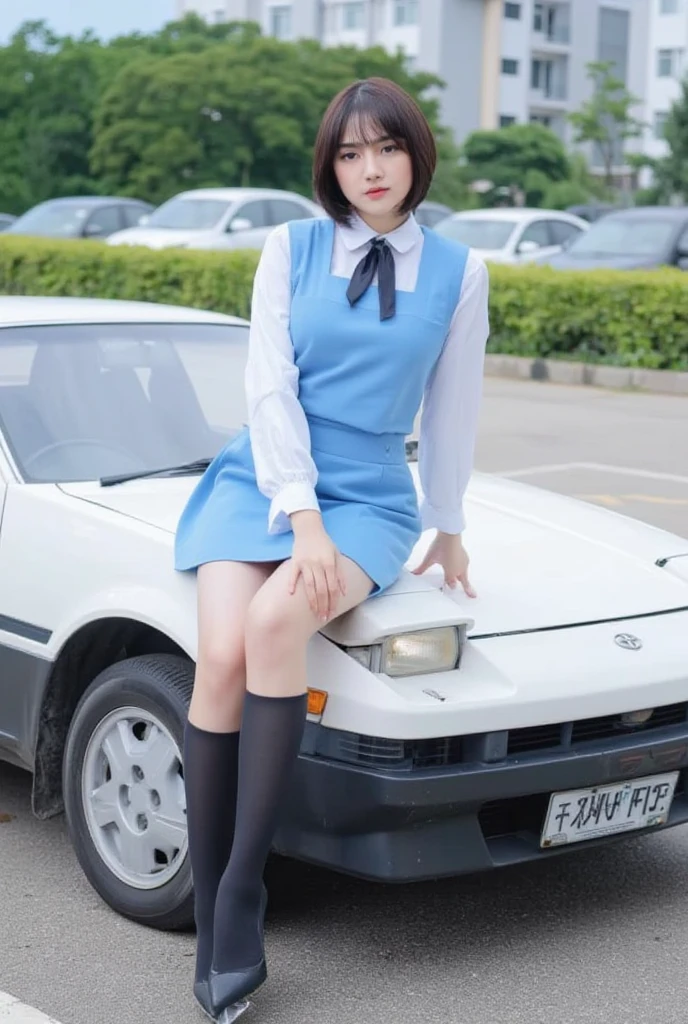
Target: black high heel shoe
[(229, 991), (201, 991)]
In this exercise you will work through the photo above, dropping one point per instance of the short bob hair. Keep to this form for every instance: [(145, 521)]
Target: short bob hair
[(381, 107)]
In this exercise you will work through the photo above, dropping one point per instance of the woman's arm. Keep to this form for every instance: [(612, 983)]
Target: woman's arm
[(280, 439), (449, 424)]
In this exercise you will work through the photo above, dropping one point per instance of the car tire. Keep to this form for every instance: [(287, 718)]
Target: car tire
[(128, 708)]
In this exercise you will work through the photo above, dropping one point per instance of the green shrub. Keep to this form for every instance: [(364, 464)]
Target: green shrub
[(221, 281), (623, 317), (628, 318)]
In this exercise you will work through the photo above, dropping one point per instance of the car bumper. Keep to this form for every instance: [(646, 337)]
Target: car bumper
[(408, 826)]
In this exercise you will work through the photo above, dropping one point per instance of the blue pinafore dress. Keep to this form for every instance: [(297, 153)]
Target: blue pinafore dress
[(361, 383)]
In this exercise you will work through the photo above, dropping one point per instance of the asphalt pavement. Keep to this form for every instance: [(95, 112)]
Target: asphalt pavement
[(594, 937)]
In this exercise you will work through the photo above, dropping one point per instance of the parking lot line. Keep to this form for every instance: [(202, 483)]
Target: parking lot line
[(600, 467), (14, 1012)]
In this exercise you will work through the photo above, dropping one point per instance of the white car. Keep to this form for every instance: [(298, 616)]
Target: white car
[(445, 735), (513, 234), (218, 218)]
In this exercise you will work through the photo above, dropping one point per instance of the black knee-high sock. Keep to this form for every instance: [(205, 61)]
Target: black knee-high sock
[(271, 732), (211, 761)]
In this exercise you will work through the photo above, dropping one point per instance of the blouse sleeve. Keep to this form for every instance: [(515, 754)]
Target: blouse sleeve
[(451, 405), (280, 438)]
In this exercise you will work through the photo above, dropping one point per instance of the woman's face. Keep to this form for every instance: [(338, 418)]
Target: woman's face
[(374, 176)]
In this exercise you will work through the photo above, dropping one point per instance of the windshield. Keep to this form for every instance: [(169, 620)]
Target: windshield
[(78, 402), (478, 233), (64, 220), (621, 236), (188, 214)]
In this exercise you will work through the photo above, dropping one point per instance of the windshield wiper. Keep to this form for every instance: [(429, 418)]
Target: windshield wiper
[(184, 468)]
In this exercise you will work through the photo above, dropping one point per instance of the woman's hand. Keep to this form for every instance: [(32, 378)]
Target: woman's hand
[(317, 561), (448, 551)]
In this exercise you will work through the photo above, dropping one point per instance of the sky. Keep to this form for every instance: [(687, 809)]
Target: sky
[(107, 17)]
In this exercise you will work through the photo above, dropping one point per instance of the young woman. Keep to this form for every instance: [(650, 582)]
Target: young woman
[(356, 319)]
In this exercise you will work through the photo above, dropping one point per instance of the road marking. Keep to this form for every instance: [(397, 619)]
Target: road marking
[(598, 467), (614, 500), (14, 1012)]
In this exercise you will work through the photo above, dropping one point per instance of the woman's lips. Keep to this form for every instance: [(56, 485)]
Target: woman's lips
[(376, 193)]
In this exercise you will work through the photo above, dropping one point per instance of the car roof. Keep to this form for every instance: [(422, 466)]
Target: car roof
[(26, 310), (673, 213), (512, 213), (237, 194), (93, 200)]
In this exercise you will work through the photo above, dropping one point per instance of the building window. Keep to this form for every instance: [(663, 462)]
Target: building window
[(506, 119), (509, 66), (405, 12), (280, 22), (219, 16), (512, 11), (659, 125), (669, 6), (669, 63), (538, 18), (353, 15)]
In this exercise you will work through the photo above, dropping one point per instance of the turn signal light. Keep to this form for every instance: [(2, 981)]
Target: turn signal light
[(317, 699)]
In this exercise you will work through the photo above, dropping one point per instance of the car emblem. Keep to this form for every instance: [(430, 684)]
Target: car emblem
[(628, 641)]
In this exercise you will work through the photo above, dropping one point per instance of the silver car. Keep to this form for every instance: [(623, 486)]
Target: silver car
[(218, 218), (514, 234)]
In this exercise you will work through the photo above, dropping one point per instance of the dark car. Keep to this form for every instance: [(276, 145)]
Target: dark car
[(591, 211), (80, 217), (641, 237)]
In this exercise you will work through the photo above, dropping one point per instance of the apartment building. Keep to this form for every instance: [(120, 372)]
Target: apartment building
[(666, 66), (503, 61)]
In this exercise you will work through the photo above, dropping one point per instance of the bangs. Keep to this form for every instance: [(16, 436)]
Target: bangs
[(362, 114)]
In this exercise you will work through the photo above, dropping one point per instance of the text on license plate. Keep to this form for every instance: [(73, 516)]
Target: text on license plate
[(605, 810)]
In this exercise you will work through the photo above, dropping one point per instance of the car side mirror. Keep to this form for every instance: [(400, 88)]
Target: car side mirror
[(240, 224), (527, 248)]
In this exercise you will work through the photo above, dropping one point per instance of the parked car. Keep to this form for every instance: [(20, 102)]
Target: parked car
[(641, 237), (218, 218), (591, 211), (80, 217), (444, 735), (430, 213), (513, 234), (5, 220)]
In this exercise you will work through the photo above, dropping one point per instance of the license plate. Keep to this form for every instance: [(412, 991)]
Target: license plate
[(606, 810)]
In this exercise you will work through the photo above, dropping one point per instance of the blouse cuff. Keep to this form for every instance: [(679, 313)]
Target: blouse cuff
[(293, 497), (447, 520)]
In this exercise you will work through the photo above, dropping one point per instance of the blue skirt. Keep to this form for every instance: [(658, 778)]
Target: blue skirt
[(364, 488)]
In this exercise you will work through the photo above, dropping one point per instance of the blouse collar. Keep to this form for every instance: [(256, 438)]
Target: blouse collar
[(357, 233)]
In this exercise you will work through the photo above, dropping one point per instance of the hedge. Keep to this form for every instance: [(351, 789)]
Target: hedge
[(627, 318)]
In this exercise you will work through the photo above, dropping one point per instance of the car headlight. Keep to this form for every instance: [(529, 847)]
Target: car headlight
[(412, 654)]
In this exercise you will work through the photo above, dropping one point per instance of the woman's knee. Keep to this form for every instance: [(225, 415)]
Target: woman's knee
[(221, 663), (273, 631)]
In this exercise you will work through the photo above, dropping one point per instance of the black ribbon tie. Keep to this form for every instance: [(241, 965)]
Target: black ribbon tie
[(379, 259)]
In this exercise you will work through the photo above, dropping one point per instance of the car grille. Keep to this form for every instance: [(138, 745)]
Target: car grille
[(415, 755)]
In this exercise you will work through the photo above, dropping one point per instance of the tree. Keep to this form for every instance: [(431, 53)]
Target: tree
[(523, 157), (671, 171), (606, 119)]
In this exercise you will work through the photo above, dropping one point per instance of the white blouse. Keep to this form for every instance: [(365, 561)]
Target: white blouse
[(280, 438)]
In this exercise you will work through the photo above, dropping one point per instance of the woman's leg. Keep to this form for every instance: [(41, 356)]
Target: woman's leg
[(278, 628), (211, 737)]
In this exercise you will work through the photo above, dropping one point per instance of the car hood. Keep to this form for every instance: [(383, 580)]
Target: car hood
[(156, 238), (538, 559), (568, 261)]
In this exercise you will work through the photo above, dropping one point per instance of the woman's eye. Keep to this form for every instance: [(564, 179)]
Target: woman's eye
[(391, 148), (347, 156)]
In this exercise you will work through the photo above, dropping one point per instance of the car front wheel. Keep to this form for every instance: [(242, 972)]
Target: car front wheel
[(123, 789)]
